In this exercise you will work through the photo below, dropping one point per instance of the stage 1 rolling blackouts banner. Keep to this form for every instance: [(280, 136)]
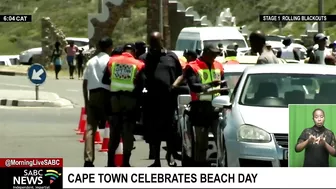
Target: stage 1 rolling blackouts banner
[(297, 18)]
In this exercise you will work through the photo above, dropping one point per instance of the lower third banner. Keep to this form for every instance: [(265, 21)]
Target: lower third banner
[(31, 173), (202, 178)]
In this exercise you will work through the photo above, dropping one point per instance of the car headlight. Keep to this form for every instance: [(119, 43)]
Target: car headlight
[(250, 133), (23, 53)]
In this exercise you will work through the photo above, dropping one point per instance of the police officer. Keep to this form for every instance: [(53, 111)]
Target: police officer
[(183, 61), (123, 75), (231, 55), (205, 78), (190, 55)]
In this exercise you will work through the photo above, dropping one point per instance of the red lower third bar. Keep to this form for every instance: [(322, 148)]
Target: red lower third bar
[(31, 162)]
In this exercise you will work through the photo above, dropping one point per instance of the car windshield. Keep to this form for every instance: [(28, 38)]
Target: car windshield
[(226, 42), (280, 90), (232, 79)]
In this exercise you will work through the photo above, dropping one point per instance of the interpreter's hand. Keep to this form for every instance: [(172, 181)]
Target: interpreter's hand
[(312, 138), (321, 140)]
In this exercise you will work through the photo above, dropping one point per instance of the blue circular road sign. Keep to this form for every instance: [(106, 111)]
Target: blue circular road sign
[(37, 74)]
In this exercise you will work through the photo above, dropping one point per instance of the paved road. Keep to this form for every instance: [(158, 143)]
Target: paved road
[(65, 88), (49, 132)]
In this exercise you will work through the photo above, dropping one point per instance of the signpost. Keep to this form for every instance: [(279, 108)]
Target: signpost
[(37, 75)]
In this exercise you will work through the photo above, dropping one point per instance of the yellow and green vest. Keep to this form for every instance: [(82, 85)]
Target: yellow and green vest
[(122, 77)]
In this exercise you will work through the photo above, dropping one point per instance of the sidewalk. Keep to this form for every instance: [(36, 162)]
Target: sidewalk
[(26, 98), (13, 70), (23, 69)]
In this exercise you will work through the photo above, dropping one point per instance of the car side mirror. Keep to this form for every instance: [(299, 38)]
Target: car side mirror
[(221, 102)]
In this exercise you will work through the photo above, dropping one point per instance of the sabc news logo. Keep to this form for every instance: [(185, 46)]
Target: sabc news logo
[(36, 177)]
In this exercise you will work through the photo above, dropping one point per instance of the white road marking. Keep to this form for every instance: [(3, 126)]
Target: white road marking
[(72, 90), (16, 85), (21, 86)]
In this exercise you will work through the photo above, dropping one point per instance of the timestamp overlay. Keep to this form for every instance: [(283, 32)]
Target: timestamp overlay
[(297, 18), (16, 18)]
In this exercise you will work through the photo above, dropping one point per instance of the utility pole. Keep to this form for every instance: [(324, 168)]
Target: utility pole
[(161, 17), (166, 26), (100, 3), (320, 12)]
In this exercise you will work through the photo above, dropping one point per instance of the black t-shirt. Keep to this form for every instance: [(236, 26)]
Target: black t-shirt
[(161, 70), (316, 155), (80, 59)]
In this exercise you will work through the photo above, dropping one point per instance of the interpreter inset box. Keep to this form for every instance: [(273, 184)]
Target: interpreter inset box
[(311, 135)]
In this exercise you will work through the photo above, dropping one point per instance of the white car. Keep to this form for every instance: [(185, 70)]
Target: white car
[(253, 131), (232, 74), (26, 57), (5, 61), (9, 60)]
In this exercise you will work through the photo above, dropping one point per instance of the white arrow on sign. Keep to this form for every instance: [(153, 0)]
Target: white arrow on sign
[(37, 74)]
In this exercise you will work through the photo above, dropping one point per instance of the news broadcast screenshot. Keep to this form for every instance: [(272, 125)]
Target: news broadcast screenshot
[(203, 94)]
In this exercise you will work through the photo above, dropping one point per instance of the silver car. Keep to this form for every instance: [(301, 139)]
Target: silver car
[(232, 74), (253, 131)]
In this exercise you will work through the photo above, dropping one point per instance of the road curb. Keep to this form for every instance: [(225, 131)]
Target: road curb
[(10, 73), (36, 103)]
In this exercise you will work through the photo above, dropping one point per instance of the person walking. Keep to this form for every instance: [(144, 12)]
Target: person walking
[(56, 58), (123, 75), (205, 78), (231, 53), (288, 52), (96, 95), (162, 68), (258, 47), (80, 58), (71, 49), (319, 54)]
